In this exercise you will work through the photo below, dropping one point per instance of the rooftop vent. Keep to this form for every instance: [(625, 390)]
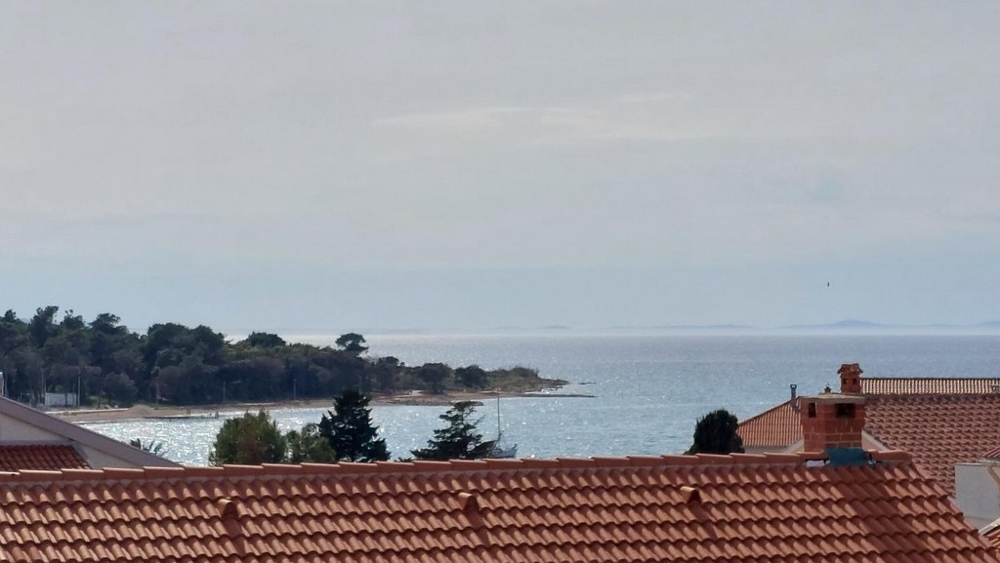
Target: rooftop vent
[(691, 494)]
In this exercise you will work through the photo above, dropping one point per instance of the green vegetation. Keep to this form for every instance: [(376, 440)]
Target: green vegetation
[(251, 439), (715, 433), (349, 430), (308, 445), (459, 439), (154, 447), (346, 434), (178, 365)]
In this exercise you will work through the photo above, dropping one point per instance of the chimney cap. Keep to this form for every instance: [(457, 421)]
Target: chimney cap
[(827, 398)]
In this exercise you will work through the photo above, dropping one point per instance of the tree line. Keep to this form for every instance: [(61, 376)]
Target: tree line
[(170, 363), (346, 433)]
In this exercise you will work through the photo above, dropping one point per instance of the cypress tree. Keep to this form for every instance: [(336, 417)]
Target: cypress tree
[(715, 433)]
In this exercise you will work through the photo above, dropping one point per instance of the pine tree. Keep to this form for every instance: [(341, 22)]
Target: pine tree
[(349, 429), (715, 433), (459, 440)]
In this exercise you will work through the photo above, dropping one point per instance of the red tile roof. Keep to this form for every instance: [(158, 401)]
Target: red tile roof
[(777, 427), (670, 508), (939, 430), (992, 536), (993, 453), (17, 457), (929, 385)]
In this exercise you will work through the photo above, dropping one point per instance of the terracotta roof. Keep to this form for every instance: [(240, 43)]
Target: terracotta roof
[(992, 535), (691, 508), (929, 385), (939, 430), (993, 453), (17, 457), (777, 427)]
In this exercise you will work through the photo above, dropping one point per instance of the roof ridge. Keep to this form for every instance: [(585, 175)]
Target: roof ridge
[(938, 377), (419, 467)]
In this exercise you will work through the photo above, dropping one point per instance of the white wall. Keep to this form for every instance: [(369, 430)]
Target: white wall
[(977, 491)]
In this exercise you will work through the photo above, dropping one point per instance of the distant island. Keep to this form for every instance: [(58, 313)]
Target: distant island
[(105, 364)]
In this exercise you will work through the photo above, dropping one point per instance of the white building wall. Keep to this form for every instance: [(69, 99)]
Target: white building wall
[(977, 491), (14, 430)]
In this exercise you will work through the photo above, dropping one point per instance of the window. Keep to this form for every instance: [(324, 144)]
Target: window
[(811, 411), (845, 410)]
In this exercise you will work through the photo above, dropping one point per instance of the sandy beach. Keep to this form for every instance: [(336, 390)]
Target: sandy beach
[(165, 411)]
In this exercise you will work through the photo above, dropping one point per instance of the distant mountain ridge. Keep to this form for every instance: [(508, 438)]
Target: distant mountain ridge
[(847, 323)]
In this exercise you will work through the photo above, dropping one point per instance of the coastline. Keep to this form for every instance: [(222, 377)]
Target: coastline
[(209, 411)]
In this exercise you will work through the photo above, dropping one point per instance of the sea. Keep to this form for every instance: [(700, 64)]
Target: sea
[(645, 391)]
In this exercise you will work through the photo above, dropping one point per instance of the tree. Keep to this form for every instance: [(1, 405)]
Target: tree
[(715, 433), (349, 430), (352, 342), (472, 376), (154, 447), (42, 325), (307, 445), (251, 439), (264, 340), (120, 389), (459, 440), (435, 375)]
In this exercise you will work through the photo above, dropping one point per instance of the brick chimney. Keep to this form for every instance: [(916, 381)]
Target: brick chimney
[(832, 421), (850, 379)]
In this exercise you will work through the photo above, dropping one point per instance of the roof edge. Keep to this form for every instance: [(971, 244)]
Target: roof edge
[(409, 467)]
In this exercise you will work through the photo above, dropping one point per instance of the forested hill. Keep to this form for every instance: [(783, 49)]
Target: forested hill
[(179, 365)]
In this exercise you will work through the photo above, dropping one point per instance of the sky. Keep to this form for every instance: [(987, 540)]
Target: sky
[(334, 166)]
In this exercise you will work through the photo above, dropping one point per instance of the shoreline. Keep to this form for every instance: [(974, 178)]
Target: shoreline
[(138, 412)]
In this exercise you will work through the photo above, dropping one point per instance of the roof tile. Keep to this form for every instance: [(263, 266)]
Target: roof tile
[(929, 385), (737, 508), (19, 457)]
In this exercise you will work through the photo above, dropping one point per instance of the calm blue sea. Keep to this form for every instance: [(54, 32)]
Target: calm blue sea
[(648, 389)]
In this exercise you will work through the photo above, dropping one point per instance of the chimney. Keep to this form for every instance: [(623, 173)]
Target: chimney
[(850, 379), (832, 422)]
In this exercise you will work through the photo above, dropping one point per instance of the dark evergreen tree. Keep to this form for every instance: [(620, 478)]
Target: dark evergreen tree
[(459, 440), (352, 342), (715, 433), (349, 429), (436, 375), (264, 340)]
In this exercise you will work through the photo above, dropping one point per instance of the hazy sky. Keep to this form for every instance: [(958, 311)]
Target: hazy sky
[(362, 165)]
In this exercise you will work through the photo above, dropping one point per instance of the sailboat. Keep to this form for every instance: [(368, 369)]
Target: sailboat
[(499, 450)]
